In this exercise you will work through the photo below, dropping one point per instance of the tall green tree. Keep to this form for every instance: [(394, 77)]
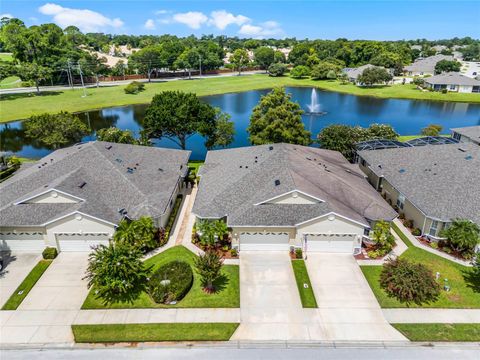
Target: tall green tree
[(188, 60), (55, 130), (178, 115), (33, 72), (116, 135), (264, 56), (447, 66), (239, 59), (374, 75), (147, 59), (276, 118), (323, 69), (224, 131)]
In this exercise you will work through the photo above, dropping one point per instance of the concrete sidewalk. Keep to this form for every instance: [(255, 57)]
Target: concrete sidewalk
[(443, 316)]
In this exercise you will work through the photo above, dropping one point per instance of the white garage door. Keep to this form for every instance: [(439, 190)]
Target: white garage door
[(261, 241), (333, 243), (69, 242), (22, 241)]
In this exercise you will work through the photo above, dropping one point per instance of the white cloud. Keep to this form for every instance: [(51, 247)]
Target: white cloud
[(86, 20), (193, 19), (221, 19), (266, 29), (162, 12), (7, 15), (149, 24)]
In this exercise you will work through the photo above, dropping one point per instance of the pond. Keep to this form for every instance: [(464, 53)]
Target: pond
[(407, 117)]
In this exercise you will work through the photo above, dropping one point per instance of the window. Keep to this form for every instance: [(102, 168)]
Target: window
[(366, 231), (452, 87), (401, 201), (433, 228), (363, 162)]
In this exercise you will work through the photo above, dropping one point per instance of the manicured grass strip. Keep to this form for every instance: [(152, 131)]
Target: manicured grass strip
[(153, 332), (464, 286), (301, 276), (405, 138), (440, 332), (22, 106), (227, 295), (16, 299), (401, 235)]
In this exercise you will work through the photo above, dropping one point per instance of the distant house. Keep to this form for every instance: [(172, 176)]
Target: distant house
[(354, 73), (431, 185), (453, 81), (425, 66), (469, 134), (75, 197)]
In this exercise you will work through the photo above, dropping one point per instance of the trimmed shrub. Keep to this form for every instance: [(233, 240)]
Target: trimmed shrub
[(234, 252), (134, 87), (416, 232), (299, 72), (434, 245), (171, 282), (298, 253), (409, 282), (277, 69), (408, 223), (50, 253)]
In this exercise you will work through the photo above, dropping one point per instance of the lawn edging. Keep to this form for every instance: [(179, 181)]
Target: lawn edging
[(401, 235), (301, 277), (439, 332), (112, 333), (27, 284)]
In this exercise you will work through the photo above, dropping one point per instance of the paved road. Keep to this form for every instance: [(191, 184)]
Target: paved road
[(114, 83), (324, 353)]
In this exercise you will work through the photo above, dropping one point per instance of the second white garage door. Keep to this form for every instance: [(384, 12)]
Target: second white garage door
[(333, 243), (264, 241), (69, 242)]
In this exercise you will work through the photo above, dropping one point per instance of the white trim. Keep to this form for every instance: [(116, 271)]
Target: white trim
[(81, 213), (46, 192), (332, 213), (289, 192)]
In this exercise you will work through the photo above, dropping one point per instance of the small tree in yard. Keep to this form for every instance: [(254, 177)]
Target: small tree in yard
[(211, 231), (463, 236), (141, 233), (116, 272), (432, 130), (382, 236), (277, 69), (209, 267), (239, 59), (300, 71), (409, 282), (374, 75)]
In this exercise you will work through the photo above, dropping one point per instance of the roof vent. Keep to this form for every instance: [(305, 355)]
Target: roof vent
[(160, 169), (380, 166), (122, 211), (270, 148), (82, 184), (241, 166), (308, 158), (108, 147), (277, 182), (246, 166), (118, 160), (401, 171), (130, 170), (468, 157)]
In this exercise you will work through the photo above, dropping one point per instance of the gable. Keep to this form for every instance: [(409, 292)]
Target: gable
[(293, 197), (51, 197)]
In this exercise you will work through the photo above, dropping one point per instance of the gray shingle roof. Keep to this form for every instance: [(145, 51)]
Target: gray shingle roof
[(145, 190), (234, 180), (442, 181), (452, 78), (354, 73), (427, 64), (471, 132)]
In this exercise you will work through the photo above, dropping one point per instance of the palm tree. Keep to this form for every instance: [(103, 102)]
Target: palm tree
[(144, 232), (124, 233)]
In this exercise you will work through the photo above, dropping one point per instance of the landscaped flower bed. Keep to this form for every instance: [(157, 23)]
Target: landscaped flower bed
[(441, 246)]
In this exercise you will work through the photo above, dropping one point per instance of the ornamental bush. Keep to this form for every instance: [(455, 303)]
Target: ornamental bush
[(277, 69), (134, 87), (50, 253), (409, 282), (171, 282), (299, 72)]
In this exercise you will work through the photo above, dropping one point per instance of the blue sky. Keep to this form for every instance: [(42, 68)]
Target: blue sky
[(380, 20)]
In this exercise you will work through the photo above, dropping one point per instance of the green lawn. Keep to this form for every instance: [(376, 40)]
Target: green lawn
[(401, 235), (301, 276), (228, 295), (195, 164), (440, 332), (16, 299), (21, 106), (10, 82), (464, 293), (153, 332), (404, 138)]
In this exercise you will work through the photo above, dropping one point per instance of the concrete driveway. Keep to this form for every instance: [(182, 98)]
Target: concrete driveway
[(16, 268), (270, 305), (347, 306), (61, 286)]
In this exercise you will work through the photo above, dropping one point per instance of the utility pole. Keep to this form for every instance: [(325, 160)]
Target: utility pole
[(81, 78), (69, 74)]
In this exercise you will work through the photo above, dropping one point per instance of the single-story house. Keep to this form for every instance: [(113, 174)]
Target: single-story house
[(425, 66), (431, 185), (74, 197), (453, 81), (354, 73), (467, 134), (283, 196)]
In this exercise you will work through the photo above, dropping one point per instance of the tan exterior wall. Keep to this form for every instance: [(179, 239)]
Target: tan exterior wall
[(237, 230), (76, 223), (52, 197), (293, 198)]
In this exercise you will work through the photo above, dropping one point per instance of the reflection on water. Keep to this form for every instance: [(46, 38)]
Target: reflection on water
[(406, 116)]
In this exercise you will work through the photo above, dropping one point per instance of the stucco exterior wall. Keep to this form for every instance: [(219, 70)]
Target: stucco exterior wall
[(52, 197), (293, 198), (76, 223)]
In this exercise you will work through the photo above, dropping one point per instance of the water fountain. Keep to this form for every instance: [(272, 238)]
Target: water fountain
[(314, 107)]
